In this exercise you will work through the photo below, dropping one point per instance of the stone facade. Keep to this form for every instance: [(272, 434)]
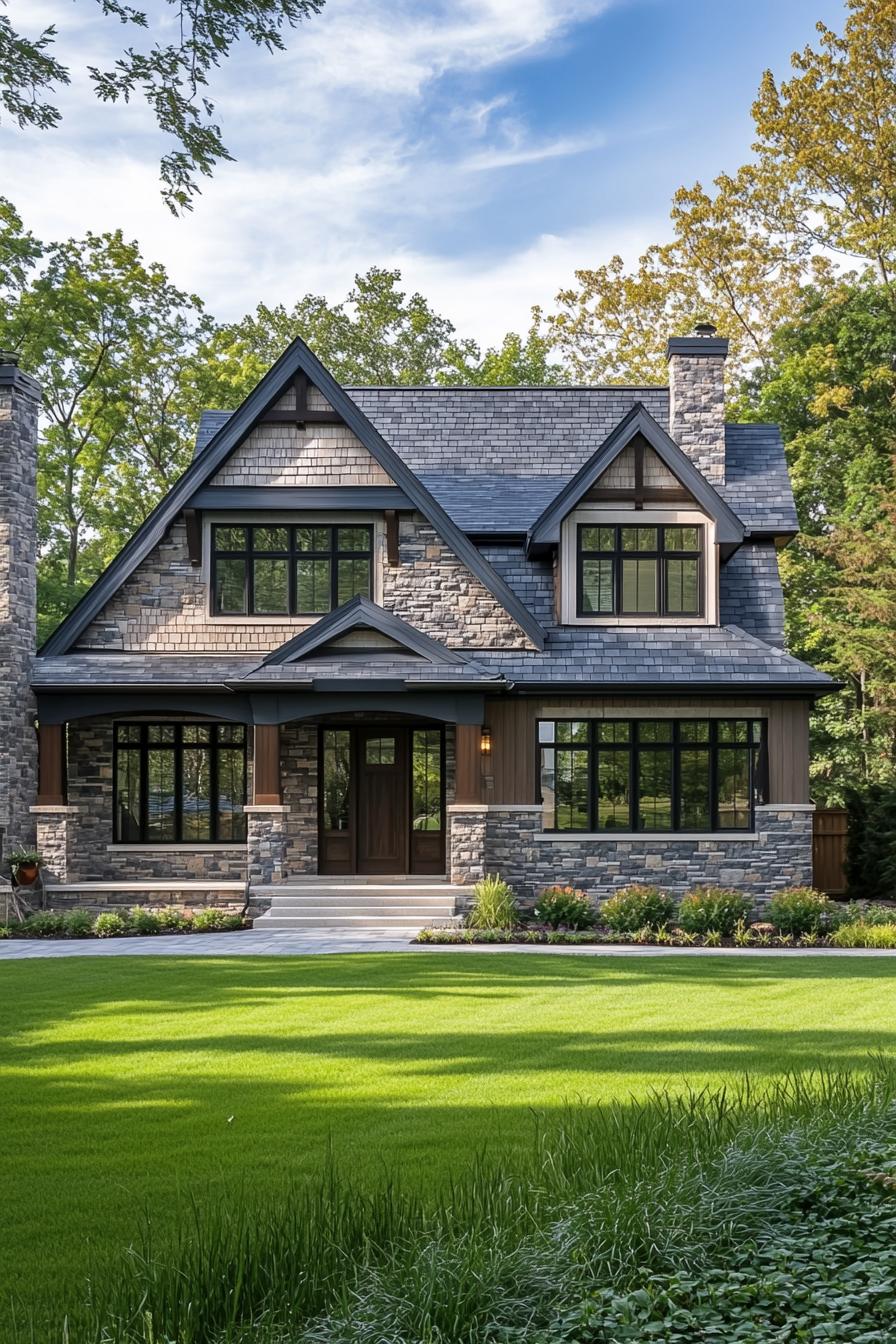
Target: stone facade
[(266, 843), (514, 844), (19, 406), (298, 770), (697, 403)]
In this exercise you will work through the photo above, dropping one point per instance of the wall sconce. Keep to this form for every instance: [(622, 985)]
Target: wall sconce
[(485, 742)]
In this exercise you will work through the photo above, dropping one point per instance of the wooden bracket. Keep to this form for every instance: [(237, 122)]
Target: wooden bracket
[(391, 536), (193, 521)]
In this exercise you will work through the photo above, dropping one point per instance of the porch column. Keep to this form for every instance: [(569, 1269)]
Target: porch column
[(56, 822), (266, 816)]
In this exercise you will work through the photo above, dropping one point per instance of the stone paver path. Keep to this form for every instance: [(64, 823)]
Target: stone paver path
[(287, 944)]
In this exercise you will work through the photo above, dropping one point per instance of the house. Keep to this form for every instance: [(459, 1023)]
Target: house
[(423, 632)]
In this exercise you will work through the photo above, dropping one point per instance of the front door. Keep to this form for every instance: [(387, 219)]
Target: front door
[(381, 799)]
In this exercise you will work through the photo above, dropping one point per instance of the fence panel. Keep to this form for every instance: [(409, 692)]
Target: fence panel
[(829, 849)]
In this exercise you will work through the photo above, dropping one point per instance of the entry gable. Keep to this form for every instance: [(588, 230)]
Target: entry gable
[(360, 614), (637, 445), (297, 367)]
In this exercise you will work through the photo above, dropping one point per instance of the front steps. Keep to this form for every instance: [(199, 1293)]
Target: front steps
[(355, 904)]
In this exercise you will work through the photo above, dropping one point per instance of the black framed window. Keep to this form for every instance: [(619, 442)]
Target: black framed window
[(177, 783), (286, 570), (652, 570), (651, 775)]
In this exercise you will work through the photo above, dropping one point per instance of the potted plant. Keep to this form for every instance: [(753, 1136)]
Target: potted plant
[(24, 864)]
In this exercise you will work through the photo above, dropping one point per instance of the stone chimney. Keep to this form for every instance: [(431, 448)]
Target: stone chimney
[(19, 404), (697, 398)]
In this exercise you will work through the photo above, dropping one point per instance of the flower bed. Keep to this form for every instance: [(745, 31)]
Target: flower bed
[(709, 917), (139, 922)]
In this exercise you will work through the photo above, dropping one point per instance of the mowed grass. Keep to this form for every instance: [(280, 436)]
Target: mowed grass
[(129, 1086)]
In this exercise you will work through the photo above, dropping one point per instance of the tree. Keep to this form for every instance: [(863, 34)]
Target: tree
[(172, 76), (108, 337)]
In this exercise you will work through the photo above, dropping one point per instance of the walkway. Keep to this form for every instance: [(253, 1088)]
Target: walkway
[(254, 943)]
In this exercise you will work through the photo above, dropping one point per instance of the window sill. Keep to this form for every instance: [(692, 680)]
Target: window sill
[(645, 837), (198, 847)]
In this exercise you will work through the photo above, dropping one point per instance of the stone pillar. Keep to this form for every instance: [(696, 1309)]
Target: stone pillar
[(266, 843), (56, 827), (466, 842), (697, 398), (19, 405)]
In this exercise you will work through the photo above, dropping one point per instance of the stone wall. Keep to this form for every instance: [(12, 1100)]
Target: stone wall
[(697, 408), (298, 771), (513, 844), (90, 791), (19, 405)]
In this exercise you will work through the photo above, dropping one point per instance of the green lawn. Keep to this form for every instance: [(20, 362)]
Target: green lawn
[(127, 1083)]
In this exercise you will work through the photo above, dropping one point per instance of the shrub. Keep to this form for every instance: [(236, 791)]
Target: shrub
[(638, 907), (494, 906), (864, 912), (110, 925), (713, 908), (174, 921), (801, 910), (871, 843), (44, 924), (78, 924), (865, 935), (565, 907), (216, 921), (143, 921)]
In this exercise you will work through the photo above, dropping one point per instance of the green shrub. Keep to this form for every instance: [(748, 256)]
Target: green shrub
[(865, 935), (174, 921), (871, 843), (800, 910), (494, 906), (110, 925), (44, 924), (143, 921), (216, 921), (865, 912), (78, 924), (638, 907), (713, 908), (565, 907)]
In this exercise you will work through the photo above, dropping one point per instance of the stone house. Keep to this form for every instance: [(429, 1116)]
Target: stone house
[(412, 635)]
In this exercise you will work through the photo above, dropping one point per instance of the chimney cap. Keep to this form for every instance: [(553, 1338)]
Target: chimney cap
[(704, 341), (704, 329), (9, 357)]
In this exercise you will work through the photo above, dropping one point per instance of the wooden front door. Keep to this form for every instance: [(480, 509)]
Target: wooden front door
[(382, 807), (382, 800)]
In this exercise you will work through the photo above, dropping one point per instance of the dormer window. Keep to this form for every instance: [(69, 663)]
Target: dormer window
[(642, 570), (285, 570)]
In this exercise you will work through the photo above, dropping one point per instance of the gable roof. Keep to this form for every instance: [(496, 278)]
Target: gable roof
[(359, 613), (296, 358), (546, 530)]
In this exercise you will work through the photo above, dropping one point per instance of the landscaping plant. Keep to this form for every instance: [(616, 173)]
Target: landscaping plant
[(216, 921), (713, 909), (565, 907), (110, 925), (494, 905), (865, 935), (800, 910), (637, 907)]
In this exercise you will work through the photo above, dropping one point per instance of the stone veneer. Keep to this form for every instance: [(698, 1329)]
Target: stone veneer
[(510, 840), (19, 406), (697, 404)]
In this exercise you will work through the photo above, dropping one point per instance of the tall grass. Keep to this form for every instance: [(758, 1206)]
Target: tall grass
[(608, 1198)]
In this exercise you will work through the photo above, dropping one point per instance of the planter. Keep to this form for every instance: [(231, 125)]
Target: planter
[(26, 874)]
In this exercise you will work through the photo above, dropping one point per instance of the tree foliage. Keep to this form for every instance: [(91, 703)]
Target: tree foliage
[(171, 76)]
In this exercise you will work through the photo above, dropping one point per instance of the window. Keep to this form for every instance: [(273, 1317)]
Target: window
[(640, 571), (179, 783), (651, 775), (289, 571)]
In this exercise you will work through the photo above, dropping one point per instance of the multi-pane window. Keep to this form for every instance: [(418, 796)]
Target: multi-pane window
[(283, 570), (651, 775), (179, 782), (640, 571)]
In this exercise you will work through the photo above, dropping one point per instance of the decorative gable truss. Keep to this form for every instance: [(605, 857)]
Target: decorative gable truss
[(298, 405), (362, 626)]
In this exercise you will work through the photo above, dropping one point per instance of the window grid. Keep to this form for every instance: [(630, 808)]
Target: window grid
[(295, 570), (715, 770), (164, 762), (639, 570)]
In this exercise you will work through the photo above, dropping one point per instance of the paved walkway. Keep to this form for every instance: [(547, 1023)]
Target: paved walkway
[(254, 943)]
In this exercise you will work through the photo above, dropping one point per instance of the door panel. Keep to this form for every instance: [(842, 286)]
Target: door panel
[(382, 800)]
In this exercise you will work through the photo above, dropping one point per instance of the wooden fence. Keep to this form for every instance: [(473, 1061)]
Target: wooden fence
[(829, 850)]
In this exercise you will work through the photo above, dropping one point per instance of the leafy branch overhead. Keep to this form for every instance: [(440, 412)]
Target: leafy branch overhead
[(172, 76)]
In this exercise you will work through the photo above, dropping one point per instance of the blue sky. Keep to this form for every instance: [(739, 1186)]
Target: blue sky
[(488, 148)]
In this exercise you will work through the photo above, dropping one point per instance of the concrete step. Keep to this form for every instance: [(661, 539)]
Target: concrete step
[(349, 887), (344, 923), (325, 910), (357, 880), (361, 897)]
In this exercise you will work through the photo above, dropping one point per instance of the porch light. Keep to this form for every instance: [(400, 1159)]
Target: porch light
[(485, 742)]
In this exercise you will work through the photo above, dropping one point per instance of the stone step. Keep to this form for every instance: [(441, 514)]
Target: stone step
[(341, 923), (361, 896), (324, 909), (355, 880)]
